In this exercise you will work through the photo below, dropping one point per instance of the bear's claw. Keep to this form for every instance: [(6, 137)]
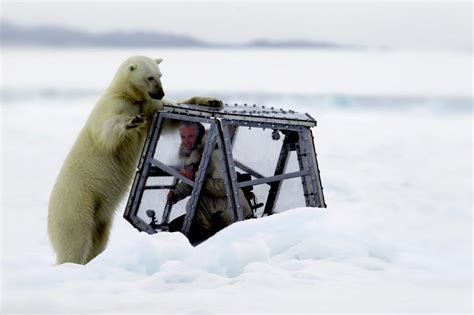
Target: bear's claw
[(136, 121), (205, 101), (215, 103)]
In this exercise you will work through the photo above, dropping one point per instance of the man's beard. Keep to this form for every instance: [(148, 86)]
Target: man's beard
[(183, 151)]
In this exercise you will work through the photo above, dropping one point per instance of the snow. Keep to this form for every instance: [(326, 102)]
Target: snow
[(396, 236)]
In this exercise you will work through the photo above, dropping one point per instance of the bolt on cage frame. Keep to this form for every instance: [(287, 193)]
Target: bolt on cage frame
[(224, 124)]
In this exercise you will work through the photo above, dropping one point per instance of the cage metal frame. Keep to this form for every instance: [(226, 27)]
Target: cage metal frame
[(224, 124)]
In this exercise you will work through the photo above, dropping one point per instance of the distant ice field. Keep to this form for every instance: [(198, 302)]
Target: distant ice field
[(313, 72)]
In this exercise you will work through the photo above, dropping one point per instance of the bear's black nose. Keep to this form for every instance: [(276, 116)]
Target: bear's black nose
[(157, 96)]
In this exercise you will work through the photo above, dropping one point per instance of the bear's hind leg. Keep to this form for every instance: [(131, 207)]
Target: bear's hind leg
[(74, 248), (70, 227), (100, 238)]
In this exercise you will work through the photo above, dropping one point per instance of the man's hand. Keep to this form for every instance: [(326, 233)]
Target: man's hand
[(171, 197), (187, 173)]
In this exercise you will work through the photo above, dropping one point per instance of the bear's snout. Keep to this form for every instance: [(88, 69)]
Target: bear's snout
[(157, 95)]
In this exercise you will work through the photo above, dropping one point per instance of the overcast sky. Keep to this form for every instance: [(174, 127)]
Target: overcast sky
[(396, 24)]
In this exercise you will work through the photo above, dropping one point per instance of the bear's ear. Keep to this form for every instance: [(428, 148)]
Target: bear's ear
[(132, 67), (158, 60)]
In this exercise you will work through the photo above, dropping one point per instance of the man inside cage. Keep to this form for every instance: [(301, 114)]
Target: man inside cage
[(212, 211)]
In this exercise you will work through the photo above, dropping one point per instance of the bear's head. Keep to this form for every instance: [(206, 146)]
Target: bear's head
[(140, 78)]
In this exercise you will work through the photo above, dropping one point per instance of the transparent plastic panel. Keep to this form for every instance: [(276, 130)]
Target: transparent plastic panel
[(152, 205), (168, 144), (291, 195), (180, 145), (261, 194), (179, 209), (258, 149), (174, 142), (155, 197), (292, 165), (291, 191)]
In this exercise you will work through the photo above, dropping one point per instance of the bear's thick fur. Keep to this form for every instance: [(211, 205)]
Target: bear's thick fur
[(100, 166)]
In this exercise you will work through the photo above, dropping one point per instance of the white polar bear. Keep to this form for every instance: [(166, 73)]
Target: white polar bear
[(100, 166)]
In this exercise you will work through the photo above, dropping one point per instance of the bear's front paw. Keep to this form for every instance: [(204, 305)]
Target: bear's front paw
[(205, 101), (136, 121), (215, 103)]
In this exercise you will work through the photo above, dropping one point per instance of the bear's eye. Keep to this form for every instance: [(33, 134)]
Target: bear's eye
[(150, 78)]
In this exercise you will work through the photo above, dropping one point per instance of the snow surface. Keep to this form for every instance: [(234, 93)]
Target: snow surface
[(396, 236)]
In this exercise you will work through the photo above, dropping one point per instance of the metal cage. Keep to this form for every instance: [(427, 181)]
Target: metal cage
[(223, 127)]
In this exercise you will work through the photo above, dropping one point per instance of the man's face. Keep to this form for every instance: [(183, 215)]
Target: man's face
[(188, 139)]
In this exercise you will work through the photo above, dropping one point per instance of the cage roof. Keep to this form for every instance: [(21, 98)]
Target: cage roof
[(245, 112)]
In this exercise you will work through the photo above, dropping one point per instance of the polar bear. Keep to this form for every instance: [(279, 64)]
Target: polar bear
[(100, 166)]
